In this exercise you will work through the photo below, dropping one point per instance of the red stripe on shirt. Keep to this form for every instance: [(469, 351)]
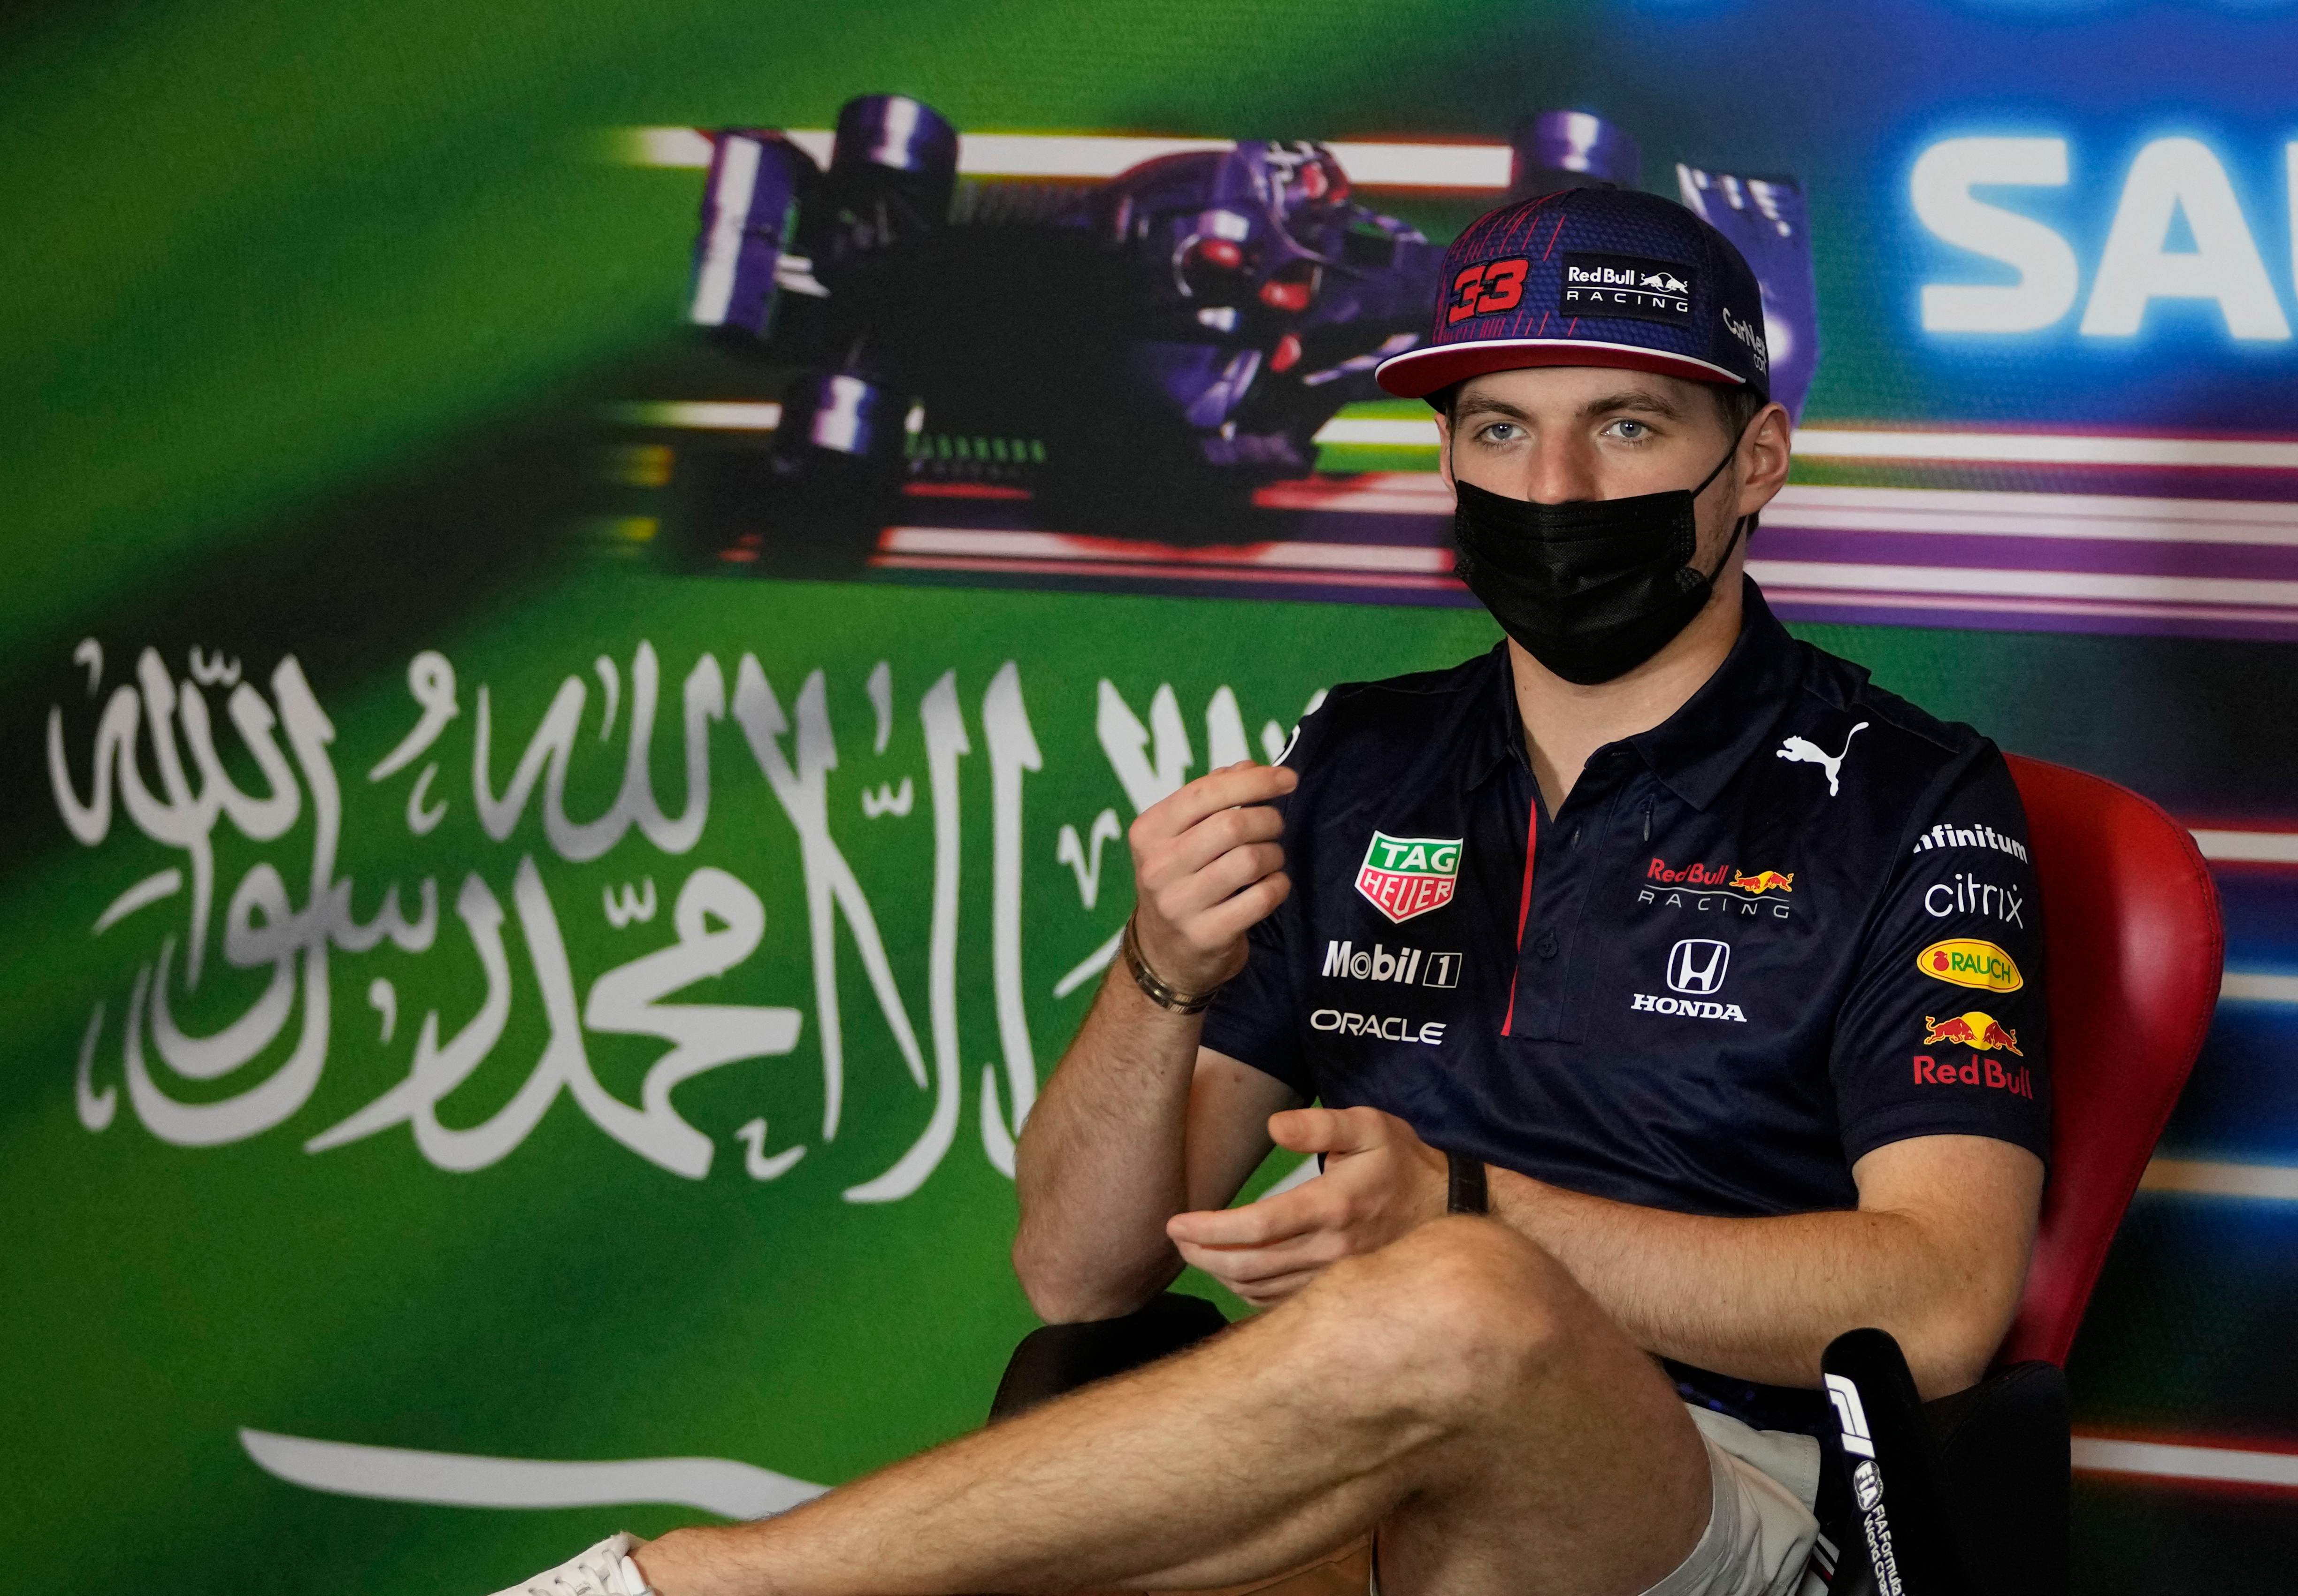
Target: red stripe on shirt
[(1522, 912)]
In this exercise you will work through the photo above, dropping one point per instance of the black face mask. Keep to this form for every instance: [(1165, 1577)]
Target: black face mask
[(1594, 588)]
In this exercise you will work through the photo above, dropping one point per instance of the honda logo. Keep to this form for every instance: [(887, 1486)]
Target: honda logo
[(1697, 964)]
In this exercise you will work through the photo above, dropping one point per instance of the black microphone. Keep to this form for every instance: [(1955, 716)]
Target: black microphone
[(1898, 1494)]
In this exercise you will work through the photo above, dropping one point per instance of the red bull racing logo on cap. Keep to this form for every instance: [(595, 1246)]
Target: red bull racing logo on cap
[(1405, 876), (1626, 286), (1968, 961)]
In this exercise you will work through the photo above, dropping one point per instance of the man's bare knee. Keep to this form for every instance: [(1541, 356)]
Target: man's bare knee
[(1459, 1315)]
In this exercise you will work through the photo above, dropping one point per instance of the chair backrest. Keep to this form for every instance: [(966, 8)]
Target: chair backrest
[(2134, 948)]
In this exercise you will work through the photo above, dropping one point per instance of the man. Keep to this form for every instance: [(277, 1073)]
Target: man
[(1716, 966)]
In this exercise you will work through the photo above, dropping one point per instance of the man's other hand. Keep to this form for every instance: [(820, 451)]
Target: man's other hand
[(1206, 868), (1380, 1180)]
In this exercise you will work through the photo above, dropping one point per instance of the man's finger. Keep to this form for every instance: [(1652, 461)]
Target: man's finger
[(1328, 1129), (1260, 1224), (1264, 1294), (1228, 789), (1222, 833), (1246, 910), (1180, 903), (1309, 1249), (1240, 1267)]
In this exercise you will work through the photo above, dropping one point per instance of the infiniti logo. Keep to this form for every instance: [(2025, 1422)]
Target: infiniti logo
[(1696, 966)]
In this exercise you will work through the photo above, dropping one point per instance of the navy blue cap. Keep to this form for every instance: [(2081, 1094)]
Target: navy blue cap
[(1591, 276)]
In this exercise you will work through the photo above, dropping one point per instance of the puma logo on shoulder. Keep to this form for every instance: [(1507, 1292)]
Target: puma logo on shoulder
[(1802, 750)]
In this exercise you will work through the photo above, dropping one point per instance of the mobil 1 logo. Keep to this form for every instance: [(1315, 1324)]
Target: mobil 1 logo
[(1406, 967), (1627, 286)]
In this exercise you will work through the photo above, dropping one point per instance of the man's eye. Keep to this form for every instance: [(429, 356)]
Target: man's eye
[(1500, 432), (1630, 431)]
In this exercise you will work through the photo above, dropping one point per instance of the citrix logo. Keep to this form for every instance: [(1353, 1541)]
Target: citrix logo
[(1407, 966), (1390, 1027), (1966, 894)]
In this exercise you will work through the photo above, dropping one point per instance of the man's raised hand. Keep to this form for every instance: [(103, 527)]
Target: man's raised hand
[(1206, 868), (1380, 1180)]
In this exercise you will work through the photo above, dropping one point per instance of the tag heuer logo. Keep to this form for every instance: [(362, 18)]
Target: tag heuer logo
[(1405, 876)]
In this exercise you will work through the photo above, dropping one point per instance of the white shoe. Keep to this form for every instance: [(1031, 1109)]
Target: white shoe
[(604, 1570)]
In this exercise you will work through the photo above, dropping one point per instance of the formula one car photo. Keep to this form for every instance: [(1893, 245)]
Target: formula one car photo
[(1138, 357)]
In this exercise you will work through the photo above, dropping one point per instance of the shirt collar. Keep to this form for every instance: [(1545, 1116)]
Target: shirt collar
[(1499, 733), (1699, 747)]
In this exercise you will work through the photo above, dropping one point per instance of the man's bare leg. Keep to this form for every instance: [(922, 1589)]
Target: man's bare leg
[(1455, 1387)]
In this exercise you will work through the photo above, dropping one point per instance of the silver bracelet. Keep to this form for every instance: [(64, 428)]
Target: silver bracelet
[(1154, 988)]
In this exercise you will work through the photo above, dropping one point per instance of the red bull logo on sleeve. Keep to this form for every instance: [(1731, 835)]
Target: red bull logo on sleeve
[(1974, 1071), (1980, 1033), (1405, 876), (1969, 962), (1763, 881)]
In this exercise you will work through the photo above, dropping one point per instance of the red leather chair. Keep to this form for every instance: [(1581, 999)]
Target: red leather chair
[(2133, 949)]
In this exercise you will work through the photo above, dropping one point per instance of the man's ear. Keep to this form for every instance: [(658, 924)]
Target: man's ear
[(1444, 447), (1763, 452)]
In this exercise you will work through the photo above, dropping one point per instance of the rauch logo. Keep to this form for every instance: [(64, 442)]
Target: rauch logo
[(1968, 961)]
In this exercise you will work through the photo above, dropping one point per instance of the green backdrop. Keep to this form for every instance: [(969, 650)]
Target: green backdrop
[(309, 311)]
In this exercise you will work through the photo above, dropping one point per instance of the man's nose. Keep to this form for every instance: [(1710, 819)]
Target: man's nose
[(1558, 471)]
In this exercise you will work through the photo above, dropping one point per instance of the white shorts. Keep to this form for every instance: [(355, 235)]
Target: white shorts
[(1760, 1528)]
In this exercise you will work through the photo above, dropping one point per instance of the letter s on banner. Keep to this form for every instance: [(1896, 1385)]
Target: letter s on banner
[(1941, 188)]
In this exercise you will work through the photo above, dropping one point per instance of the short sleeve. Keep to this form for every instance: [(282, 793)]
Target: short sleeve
[(1946, 1029), (1254, 1019)]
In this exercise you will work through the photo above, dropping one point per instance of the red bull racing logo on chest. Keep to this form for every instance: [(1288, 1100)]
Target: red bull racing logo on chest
[(1405, 876), (1715, 887)]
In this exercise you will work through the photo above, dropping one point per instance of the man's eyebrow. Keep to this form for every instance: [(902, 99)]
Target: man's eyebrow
[(1634, 400), (1473, 404)]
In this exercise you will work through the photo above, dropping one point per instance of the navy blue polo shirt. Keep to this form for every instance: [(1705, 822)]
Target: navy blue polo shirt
[(1794, 923)]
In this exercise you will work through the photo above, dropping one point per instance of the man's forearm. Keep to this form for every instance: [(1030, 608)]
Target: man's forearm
[(1101, 1165), (1759, 1299)]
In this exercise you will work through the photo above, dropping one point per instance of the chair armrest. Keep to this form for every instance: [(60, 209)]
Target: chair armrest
[(2000, 1455), (2004, 1447), (1055, 1360)]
